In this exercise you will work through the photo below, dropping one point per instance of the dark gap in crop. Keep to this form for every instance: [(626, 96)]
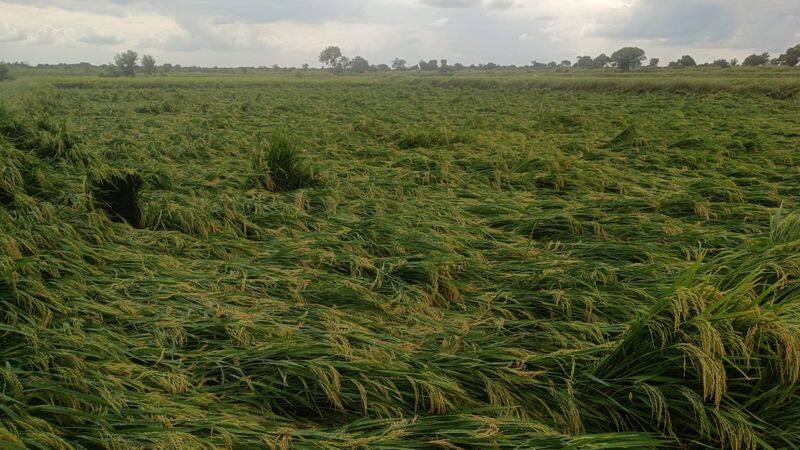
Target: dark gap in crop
[(118, 195), (6, 196)]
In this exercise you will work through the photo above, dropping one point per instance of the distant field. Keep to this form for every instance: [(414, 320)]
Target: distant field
[(499, 260)]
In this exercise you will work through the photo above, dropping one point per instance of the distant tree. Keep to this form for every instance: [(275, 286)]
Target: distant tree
[(399, 64), (602, 61), (382, 68), (342, 64), (538, 65), (359, 65), (148, 64), (552, 65), (4, 72), (791, 58), (683, 62), (431, 65), (687, 61), (490, 66), (458, 66), (723, 63), (735, 62), (165, 68), (756, 60), (305, 66), (444, 67), (584, 62), (126, 62), (566, 63), (653, 63), (628, 58), (330, 56)]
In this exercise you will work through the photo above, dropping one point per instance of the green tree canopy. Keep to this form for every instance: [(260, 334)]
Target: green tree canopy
[(148, 64), (602, 61), (628, 58), (791, 58), (584, 62), (687, 61), (359, 64), (756, 60), (126, 62), (330, 56)]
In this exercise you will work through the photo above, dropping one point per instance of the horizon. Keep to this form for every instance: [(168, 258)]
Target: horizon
[(505, 32)]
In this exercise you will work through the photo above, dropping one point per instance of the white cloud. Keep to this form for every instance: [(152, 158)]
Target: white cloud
[(452, 3), (9, 33), (101, 39), (502, 4), (249, 32), (304, 37), (54, 26)]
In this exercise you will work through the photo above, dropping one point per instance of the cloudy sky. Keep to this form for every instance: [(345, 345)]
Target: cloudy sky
[(292, 32)]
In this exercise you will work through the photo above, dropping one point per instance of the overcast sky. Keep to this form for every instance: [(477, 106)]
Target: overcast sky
[(292, 32)]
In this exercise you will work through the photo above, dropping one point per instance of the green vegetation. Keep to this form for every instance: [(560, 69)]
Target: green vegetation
[(279, 167), (4, 72), (507, 260)]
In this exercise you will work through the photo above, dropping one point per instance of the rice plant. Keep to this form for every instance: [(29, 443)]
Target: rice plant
[(503, 262), (278, 165)]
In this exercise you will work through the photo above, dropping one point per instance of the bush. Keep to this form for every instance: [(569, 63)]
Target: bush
[(279, 167), (4, 72)]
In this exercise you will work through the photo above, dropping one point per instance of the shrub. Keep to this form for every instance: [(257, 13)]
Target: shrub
[(4, 72), (279, 167)]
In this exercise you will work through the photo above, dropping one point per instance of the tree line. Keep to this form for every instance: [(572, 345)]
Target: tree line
[(129, 63), (332, 58), (625, 59)]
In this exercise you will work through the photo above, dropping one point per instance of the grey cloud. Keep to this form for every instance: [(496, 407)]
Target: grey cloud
[(108, 7), (677, 21), (734, 24), (251, 11), (101, 39), (503, 4), (8, 34), (509, 31), (45, 37), (452, 3)]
